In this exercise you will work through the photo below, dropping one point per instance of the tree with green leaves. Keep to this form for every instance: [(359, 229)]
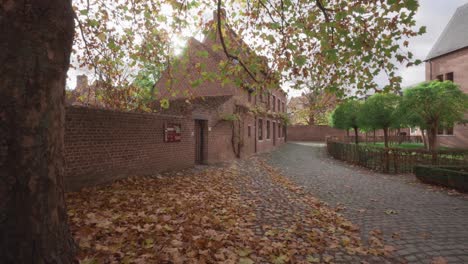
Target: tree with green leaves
[(345, 117), (316, 105), (380, 112), (432, 105), (350, 42)]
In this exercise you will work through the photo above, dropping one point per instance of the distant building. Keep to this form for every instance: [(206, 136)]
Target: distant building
[(83, 94), (448, 60)]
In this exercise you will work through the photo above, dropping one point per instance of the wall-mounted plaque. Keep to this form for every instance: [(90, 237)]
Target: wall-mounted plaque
[(172, 133)]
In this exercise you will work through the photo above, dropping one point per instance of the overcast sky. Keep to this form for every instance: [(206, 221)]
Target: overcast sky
[(434, 14)]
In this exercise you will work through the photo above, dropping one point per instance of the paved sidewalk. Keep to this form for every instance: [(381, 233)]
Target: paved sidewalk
[(423, 223)]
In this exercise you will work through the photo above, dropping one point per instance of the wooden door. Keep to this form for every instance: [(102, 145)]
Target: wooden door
[(200, 144), (274, 133)]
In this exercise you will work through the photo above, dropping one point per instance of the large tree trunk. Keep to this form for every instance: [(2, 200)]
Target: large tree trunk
[(35, 49)]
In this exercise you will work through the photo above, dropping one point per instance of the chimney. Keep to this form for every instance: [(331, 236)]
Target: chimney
[(81, 82)]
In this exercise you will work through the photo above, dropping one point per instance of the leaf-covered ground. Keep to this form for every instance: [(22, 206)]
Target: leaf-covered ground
[(244, 212)]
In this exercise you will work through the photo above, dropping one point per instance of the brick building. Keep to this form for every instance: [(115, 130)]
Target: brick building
[(231, 118), (214, 121), (448, 60)]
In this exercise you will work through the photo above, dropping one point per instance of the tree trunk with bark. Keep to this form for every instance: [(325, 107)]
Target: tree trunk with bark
[(35, 52), (385, 133), (432, 141), (424, 139), (356, 139)]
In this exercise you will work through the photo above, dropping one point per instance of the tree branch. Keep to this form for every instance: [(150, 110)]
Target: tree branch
[(230, 56)]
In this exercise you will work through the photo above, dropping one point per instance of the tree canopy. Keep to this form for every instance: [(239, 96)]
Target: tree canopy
[(435, 104), (316, 105), (345, 116), (344, 44), (380, 112)]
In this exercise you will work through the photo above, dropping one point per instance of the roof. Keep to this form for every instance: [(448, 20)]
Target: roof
[(185, 78), (182, 105), (454, 36)]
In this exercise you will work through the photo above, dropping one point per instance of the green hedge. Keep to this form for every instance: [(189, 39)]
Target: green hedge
[(450, 176)]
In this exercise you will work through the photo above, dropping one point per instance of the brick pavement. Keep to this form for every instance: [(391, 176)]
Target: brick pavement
[(423, 222)]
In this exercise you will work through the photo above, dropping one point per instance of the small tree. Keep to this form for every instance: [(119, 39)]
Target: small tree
[(345, 116), (434, 104), (379, 112)]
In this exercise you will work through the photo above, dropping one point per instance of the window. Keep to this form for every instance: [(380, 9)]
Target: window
[(279, 130), (449, 131), (440, 77), (274, 103), (443, 130), (449, 76), (250, 97), (268, 104), (268, 129), (260, 129), (279, 105), (248, 131), (284, 110)]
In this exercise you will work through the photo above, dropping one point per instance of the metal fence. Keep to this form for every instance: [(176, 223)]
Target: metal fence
[(393, 160)]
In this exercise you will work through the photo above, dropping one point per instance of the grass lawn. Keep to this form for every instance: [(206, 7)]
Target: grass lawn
[(405, 145), (402, 145)]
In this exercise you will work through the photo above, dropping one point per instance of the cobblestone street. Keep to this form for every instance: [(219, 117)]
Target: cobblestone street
[(425, 224)]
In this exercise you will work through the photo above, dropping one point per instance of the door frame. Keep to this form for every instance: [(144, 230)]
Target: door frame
[(201, 138)]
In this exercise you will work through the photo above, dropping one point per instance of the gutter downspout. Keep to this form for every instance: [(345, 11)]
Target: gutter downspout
[(430, 70), (255, 134)]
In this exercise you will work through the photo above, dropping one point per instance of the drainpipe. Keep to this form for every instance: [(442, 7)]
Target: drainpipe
[(255, 134), (430, 70)]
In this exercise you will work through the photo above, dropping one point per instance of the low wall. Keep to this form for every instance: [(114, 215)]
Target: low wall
[(102, 145), (313, 133)]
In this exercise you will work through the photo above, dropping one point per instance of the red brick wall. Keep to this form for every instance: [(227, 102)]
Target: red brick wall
[(313, 133), (456, 62), (266, 144), (102, 146)]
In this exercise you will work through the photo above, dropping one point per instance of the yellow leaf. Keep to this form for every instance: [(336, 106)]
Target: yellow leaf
[(312, 259), (102, 36), (244, 252), (246, 260)]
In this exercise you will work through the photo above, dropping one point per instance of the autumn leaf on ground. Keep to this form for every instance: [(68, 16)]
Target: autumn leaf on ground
[(391, 212), (439, 260)]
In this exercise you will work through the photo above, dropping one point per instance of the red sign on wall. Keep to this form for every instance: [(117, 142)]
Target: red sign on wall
[(172, 133)]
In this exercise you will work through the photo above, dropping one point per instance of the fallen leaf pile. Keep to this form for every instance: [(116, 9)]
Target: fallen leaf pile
[(204, 217)]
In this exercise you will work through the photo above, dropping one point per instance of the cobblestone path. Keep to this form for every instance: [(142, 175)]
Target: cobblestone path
[(280, 206), (425, 224)]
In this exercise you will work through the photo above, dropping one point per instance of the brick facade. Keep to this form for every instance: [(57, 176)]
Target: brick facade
[(313, 133), (177, 82), (456, 63), (102, 145)]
